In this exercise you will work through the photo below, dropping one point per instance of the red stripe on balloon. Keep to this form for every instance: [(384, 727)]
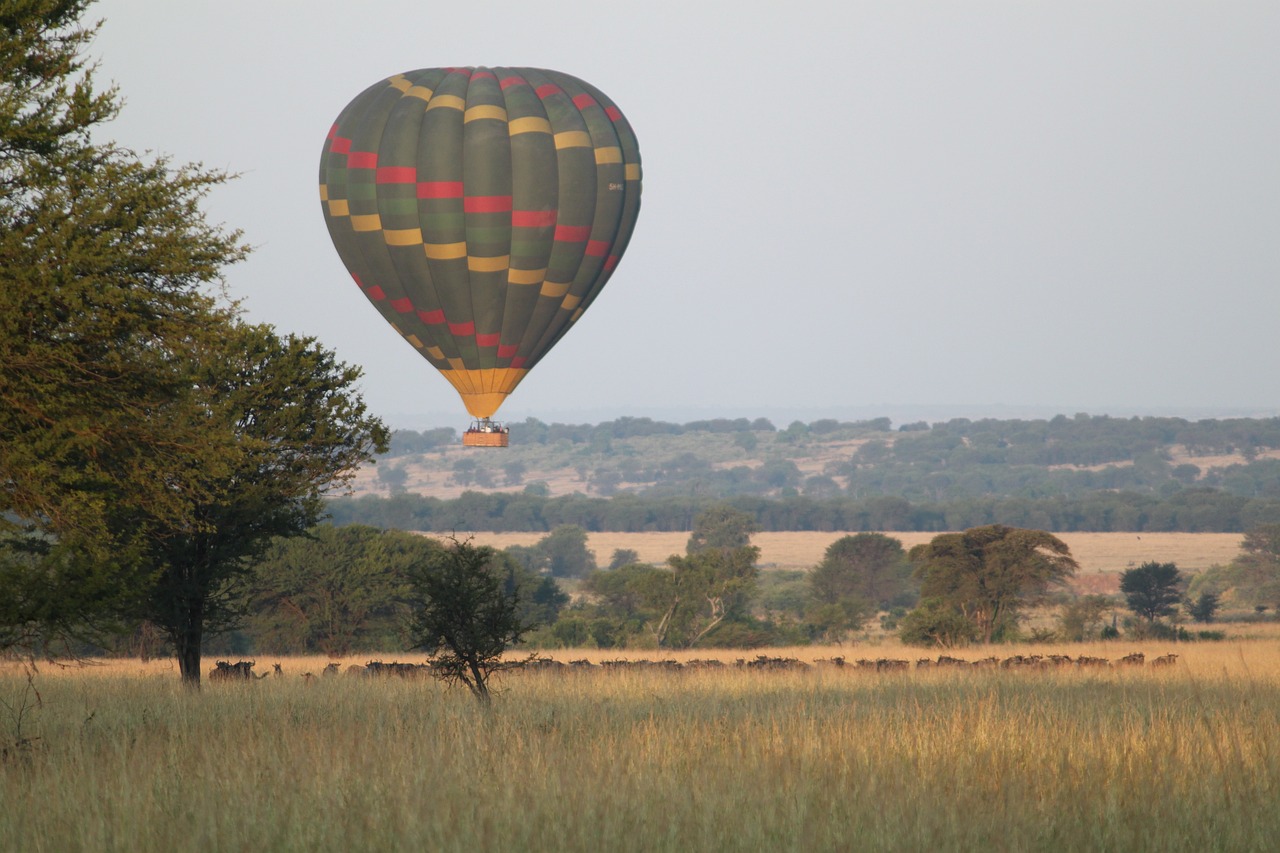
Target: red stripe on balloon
[(402, 306), (486, 204), (396, 175), (432, 318), (611, 262), (533, 218), (340, 145), (583, 101), (375, 293), (466, 72), (333, 131), (488, 340), (598, 248), (462, 329), (356, 279), (362, 160), (484, 75), (507, 350), (613, 113), (517, 362), (572, 233), (440, 189), (508, 82), (547, 89)]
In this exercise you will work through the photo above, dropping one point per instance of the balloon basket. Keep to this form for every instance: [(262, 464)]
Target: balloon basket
[(486, 433)]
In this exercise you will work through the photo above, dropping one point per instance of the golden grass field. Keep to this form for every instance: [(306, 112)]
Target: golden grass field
[(121, 757)]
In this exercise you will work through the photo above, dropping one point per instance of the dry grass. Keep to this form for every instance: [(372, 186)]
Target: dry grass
[(1181, 759)]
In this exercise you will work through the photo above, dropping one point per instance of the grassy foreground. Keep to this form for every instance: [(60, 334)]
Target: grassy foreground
[(1186, 758)]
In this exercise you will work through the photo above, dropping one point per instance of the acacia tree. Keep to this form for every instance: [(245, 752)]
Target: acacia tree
[(989, 573), (467, 612), (1152, 590), (104, 259), (287, 427)]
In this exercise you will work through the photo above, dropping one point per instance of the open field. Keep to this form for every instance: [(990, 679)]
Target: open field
[(1183, 758), (1096, 552)]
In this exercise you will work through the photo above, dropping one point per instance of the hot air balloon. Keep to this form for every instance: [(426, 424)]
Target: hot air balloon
[(481, 211)]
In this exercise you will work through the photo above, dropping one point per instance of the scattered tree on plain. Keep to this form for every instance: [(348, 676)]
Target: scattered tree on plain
[(1152, 590), (467, 613), (987, 574)]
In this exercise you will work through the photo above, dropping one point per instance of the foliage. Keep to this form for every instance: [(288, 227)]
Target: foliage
[(104, 259), (937, 622), (869, 566), (286, 425), (720, 527), (467, 613), (333, 590), (623, 557), (1082, 618), (987, 573), (1152, 590), (702, 590), (1204, 607)]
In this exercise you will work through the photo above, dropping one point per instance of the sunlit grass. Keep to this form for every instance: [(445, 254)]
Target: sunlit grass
[(1179, 759)]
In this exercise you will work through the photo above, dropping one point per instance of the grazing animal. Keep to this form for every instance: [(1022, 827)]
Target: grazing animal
[(278, 672), (331, 669), (240, 670), (1135, 659), (1165, 660)]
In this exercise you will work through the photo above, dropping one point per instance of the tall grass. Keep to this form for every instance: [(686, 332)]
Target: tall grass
[(1180, 759)]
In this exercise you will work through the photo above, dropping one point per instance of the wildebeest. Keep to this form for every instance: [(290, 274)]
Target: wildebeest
[(240, 670), (1134, 659), (1165, 660)]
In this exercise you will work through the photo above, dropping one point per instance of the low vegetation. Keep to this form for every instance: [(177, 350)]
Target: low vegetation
[(1176, 758)]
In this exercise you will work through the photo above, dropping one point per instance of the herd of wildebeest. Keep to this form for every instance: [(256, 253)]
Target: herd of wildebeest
[(243, 670)]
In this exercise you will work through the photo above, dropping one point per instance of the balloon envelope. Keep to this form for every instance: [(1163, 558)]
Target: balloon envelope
[(481, 210)]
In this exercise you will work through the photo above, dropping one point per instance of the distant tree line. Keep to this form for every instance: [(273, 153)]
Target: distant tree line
[(1191, 510)]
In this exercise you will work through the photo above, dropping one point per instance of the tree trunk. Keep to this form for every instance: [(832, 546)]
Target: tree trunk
[(187, 641)]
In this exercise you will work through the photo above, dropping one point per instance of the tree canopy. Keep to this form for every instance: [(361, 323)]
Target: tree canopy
[(988, 573), (1152, 590)]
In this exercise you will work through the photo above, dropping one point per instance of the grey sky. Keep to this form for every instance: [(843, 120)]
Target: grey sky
[(849, 208)]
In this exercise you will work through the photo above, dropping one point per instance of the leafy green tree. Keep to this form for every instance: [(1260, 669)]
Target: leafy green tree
[(287, 426), (1082, 618), (936, 622), (566, 553), (623, 557), (333, 590), (721, 526), (104, 263), (1204, 607), (467, 613), (987, 574), (869, 566), (702, 590), (1152, 590)]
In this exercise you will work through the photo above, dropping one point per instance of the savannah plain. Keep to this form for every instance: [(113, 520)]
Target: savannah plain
[(118, 756)]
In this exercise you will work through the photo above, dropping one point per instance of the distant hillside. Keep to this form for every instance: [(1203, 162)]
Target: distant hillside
[(1081, 473), (942, 461)]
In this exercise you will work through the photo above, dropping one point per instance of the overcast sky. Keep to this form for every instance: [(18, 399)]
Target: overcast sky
[(849, 208)]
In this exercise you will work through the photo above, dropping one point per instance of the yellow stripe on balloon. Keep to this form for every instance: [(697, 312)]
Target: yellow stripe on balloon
[(570, 302), (402, 236), (484, 111), (633, 171), (573, 139), (515, 276), (554, 290), (366, 222), (528, 124), (608, 155), (339, 207), (497, 264), (445, 251), (447, 102)]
